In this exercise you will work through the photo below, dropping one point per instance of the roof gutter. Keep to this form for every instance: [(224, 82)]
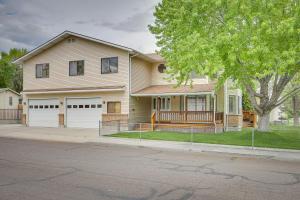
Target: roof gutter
[(171, 94)]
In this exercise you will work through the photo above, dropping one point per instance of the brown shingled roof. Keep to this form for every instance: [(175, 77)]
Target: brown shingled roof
[(172, 89)]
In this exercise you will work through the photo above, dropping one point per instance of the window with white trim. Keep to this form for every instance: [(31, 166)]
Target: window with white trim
[(196, 103), (165, 103), (109, 65), (76, 68), (42, 70), (232, 104)]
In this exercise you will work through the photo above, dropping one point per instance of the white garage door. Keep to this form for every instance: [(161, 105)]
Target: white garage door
[(43, 112), (84, 112)]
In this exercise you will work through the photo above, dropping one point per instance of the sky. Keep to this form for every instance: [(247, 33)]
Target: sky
[(29, 23)]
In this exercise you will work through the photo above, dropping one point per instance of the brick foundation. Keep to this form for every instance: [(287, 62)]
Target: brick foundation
[(235, 120), (115, 117)]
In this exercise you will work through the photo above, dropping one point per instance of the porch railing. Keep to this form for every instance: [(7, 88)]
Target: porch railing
[(189, 116)]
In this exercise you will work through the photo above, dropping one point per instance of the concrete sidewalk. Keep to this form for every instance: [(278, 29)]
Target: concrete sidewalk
[(91, 135)]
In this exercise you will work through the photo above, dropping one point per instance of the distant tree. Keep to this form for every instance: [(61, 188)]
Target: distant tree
[(11, 74), (292, 106), (253, 42)]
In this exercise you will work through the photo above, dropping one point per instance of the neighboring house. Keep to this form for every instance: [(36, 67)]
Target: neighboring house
[(75, 80), (9, 99)]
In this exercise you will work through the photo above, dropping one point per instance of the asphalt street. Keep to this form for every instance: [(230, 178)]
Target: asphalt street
[(55, 170)]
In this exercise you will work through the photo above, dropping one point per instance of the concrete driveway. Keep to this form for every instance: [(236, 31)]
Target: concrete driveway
[(55, 170), (61, 134)]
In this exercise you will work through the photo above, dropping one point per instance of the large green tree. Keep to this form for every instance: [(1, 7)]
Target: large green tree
[(11, 74), (254, 42)]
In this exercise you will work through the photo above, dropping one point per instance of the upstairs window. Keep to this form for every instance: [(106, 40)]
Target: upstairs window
[(109, 65), (42, 70), (76, 68)]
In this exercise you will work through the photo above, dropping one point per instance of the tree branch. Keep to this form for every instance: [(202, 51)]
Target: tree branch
[(285, 97)]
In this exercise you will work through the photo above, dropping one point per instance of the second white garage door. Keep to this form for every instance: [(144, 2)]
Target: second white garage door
[(83, 112)]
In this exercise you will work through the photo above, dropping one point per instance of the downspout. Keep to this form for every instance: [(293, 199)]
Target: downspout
[(129, 84)]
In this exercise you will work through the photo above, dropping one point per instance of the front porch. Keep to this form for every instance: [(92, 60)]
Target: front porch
[(183, 106), (186, 109)]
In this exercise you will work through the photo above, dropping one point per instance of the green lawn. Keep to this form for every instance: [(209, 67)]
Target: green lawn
[(289, 138)]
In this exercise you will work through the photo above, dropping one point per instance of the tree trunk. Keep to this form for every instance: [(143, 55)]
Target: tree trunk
[(263, 122), (296, 108)]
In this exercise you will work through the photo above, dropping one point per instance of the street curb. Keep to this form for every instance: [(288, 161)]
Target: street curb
[(285, 154)]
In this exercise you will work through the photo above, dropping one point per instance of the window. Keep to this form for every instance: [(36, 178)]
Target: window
[(76, 68), (113, 107), (42, 70), (161, 68), (10, 101), (239, 105), (232, 104), (211, 103), (196, 103), (165, 103), (109, 65), (154, 103)]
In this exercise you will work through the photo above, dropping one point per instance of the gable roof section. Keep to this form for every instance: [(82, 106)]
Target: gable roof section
[(8, 89), (67, 34), (164, 90)]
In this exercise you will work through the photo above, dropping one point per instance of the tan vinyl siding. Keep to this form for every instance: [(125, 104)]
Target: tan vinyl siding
[(175, 103), (163, 78), (140, 74), (160, 78), (59, 56), (140, 109)]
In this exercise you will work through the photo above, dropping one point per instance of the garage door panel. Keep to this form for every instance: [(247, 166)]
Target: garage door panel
[(84, 112), (43, 112)]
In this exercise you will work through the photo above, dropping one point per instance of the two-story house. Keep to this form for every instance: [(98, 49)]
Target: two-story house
[(76, 81)]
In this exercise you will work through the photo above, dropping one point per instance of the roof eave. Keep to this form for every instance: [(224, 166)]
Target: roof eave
[(171, 94), (59, 38)]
